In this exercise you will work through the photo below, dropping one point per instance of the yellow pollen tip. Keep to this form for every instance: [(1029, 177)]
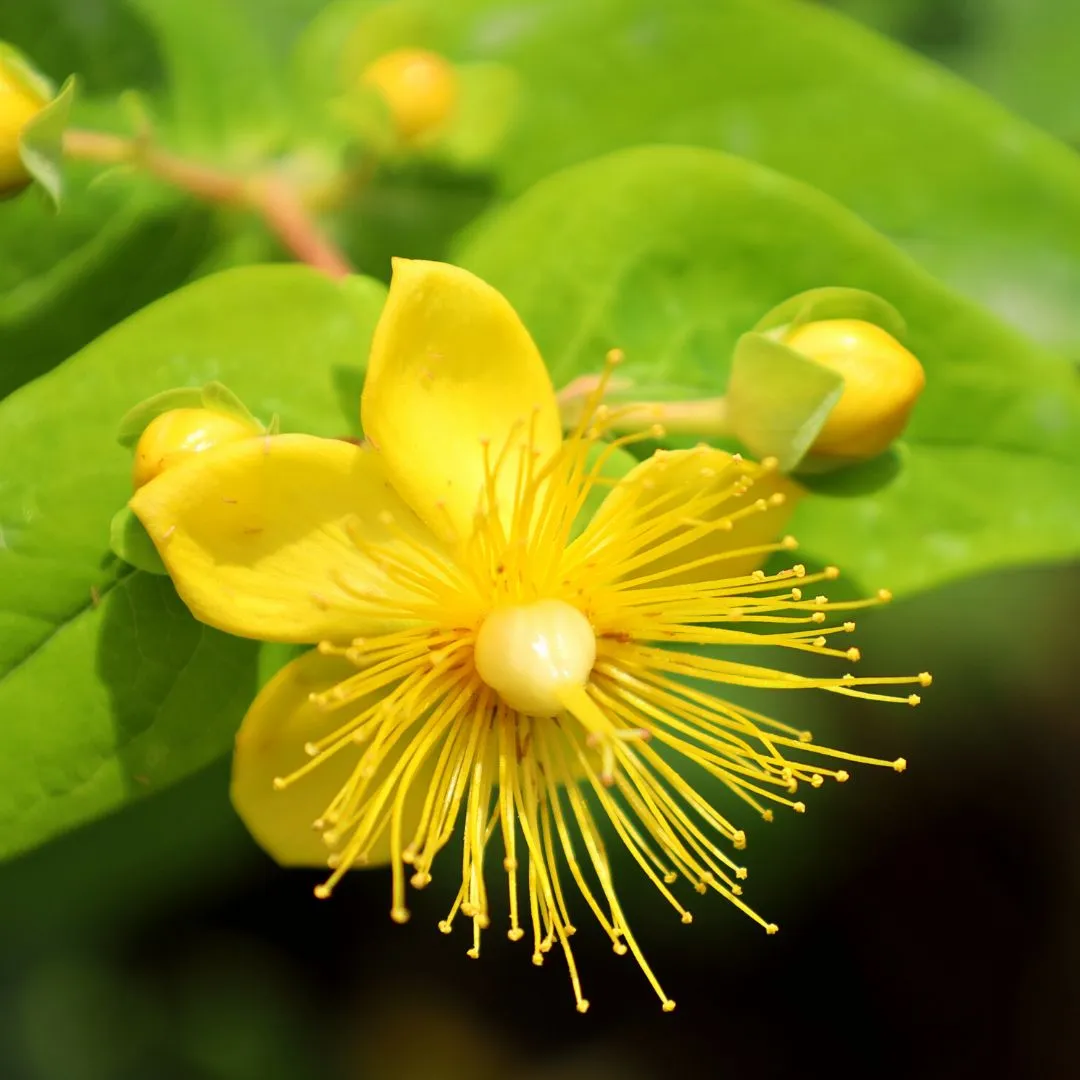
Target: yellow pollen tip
[(322, 892), (529, 653), (771, 928), (400, 915), (900, 764), (914, 699), (884, 595), (925, 678), (687, 918), (583, 1006), (515, 934), (789, 543), (668, 1006), (799, 808)]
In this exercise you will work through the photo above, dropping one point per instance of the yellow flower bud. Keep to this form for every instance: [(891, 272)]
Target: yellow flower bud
[(177, 434), (19, 104), (882, 382), (420, 89)]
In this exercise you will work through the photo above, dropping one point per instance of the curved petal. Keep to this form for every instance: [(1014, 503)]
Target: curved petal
[(452, 366), (270, 744), (684, 486), (261, 538)]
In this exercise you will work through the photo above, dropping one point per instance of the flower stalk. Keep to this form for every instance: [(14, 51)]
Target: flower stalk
[(270, 196)]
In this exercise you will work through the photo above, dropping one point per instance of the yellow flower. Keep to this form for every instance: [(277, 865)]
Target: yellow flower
[(485, 667)]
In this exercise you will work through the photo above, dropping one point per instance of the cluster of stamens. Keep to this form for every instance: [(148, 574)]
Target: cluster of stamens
[(547, 674)]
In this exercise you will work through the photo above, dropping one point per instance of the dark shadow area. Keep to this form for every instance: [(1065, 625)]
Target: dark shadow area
[(927, 920)]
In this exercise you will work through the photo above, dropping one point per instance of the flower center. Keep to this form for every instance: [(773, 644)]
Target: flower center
[(528, 653)]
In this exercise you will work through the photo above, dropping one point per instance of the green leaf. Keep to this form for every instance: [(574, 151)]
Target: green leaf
[(226, 87), (41, 142), (108, 687), (778, 400), (672, 253), (981, 199), (121, 241)]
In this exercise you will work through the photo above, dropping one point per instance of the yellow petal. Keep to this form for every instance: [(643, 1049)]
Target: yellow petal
[(261, 538), (664, 485), (270, 745), (452, 366)]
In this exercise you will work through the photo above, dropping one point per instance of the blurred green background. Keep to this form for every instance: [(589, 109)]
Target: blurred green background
[(931, 933)]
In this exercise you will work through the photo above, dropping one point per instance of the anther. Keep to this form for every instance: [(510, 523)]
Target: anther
[(799, 808), (515, 934), (925, 678), (843, 776), (900, 764), (322, 892), (420, 879), (914, 699), (884, 595), (668, 1006), (771, 928), (400, 915), (853, 654), (687, 918), (583, 1005), (444, 926), (849, 627), (789, 543), (831, 572)]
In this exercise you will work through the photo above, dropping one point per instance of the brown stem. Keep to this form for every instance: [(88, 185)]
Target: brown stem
[(270, 196)]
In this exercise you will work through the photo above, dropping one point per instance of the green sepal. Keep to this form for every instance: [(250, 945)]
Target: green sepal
[(214, 396), (131, 542), (832, 302), (41, 142), (217, 397), (778, 400)]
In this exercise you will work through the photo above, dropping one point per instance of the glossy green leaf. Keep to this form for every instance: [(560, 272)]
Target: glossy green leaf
[(226, 91), (980, 198), (108, 687), (672, 253)]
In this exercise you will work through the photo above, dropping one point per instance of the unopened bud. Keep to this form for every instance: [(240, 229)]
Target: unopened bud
[(882, 382), (173, 436), (21, 99), (420, 89)]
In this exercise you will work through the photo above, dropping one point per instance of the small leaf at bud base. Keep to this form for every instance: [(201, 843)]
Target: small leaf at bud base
[(882, 382), (22, 97), (173, 436), (419, 87)]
